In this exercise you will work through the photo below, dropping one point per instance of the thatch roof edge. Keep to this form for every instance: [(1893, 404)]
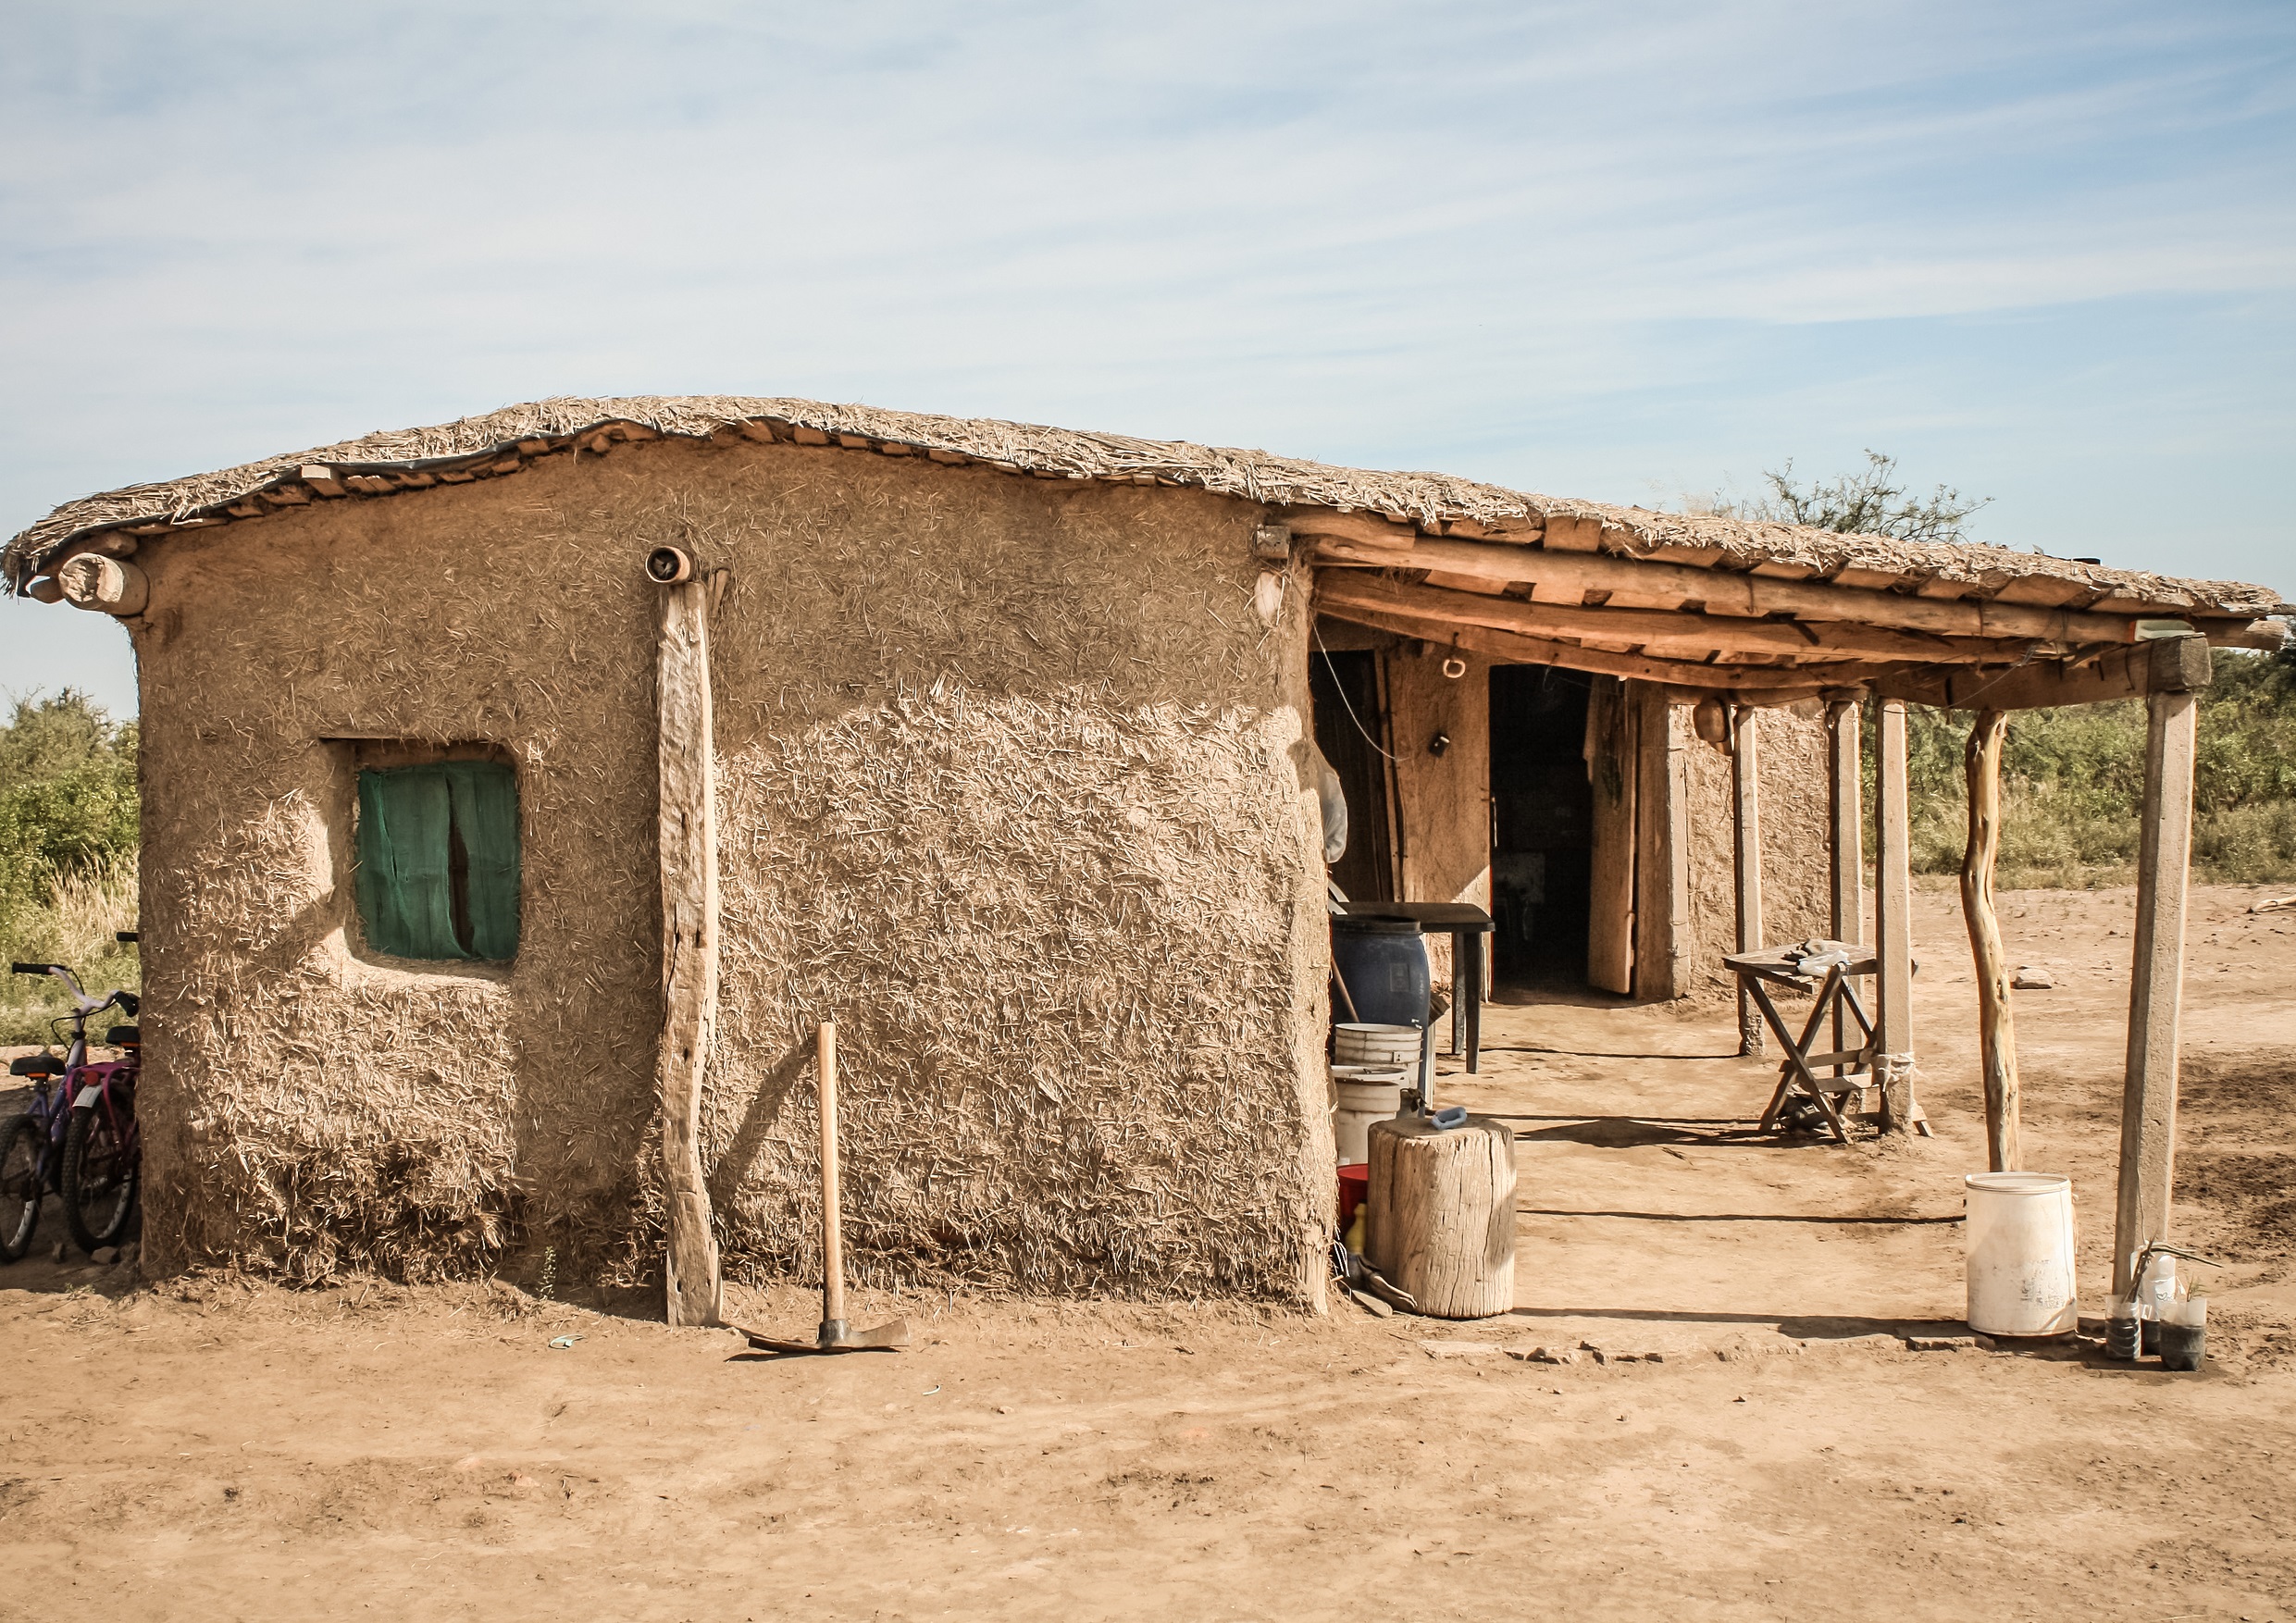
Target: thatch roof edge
[(1429, 501)]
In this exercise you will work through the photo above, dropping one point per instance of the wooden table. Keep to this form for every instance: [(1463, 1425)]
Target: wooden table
[(1466, 925), (1832, 966)]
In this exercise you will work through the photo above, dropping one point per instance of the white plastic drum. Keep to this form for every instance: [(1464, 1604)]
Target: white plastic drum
[(2020, 1234)]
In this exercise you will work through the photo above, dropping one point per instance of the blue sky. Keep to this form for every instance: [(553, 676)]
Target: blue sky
[(2044, 253)]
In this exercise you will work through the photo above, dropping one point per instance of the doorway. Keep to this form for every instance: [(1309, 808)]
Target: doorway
[(1350, 712), (1542, 826)]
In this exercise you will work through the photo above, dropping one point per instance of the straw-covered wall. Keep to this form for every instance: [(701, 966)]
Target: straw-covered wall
[(1790, 796), (1010, 783)]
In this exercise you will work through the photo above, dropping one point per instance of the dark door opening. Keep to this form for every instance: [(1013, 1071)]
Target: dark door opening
[(1344, 689), (1542, 826)]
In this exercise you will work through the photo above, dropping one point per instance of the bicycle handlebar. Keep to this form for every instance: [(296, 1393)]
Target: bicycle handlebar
[(127, 937), (33, 969)]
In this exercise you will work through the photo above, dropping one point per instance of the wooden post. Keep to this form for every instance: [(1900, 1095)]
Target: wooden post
[(1846, 808), (1893, 904), (2148, 1119), (688, 850), (1996, 1030), (1612, 741), (1747, 824), (1663, 938)]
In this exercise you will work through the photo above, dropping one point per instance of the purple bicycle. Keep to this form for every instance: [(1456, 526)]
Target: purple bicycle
[(79, 1139)]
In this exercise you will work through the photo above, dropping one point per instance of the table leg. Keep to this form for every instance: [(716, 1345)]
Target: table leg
[(1458, 975), (1797, 1064), (1473, 941)]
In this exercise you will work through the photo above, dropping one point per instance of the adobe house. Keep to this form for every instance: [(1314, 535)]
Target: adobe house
[(494, 885)]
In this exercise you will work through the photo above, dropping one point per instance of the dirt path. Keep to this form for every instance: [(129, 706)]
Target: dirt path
[(225, 1453)]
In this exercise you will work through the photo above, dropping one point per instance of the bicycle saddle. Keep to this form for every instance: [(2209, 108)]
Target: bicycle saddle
[(36, 1065), (125, 1037)]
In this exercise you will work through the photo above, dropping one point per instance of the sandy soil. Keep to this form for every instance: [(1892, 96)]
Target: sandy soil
[(217, 1451)]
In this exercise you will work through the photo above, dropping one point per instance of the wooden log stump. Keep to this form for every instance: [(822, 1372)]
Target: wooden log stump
[(1441, 1225)]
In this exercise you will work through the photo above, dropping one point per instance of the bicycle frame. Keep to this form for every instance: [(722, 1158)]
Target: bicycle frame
[(82, 1083)]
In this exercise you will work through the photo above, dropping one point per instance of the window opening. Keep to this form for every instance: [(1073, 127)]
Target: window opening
[(438, 859)]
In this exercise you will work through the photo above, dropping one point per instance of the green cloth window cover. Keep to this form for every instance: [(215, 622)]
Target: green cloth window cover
[(438, 868)]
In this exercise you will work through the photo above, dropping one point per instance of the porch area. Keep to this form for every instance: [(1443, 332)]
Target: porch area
[(1652, 1216)]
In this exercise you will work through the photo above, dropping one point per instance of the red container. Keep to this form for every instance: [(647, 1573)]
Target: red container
[(1355, 1186)]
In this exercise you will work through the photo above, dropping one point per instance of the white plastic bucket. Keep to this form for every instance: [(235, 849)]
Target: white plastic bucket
[(2019, 1234), (1375, 1045), (1366, 1094)]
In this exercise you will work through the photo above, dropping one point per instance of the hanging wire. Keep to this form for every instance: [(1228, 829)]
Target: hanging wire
[(1341, 688)]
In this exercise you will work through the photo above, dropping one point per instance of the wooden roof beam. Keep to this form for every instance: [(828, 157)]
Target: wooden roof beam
[(2172, 664), (1734, 594), (1671, 633), (1684, 681)]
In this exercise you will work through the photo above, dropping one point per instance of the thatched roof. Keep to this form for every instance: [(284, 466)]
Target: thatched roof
[(1431, 505)]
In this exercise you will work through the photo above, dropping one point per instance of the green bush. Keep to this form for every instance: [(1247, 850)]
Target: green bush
[(68, 812), (2072, 780)]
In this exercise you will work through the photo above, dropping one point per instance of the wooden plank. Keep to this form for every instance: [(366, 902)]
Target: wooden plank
[(1611, 769), (1574, 535), (2127, 672), (1755, 683), (1664, 633), (1725, 591), (1892, 903), (1846, 830), (2148, 1121), (1363, 529), (1745, 807), (1996, 1030), (692, 1286), (2047, 592)]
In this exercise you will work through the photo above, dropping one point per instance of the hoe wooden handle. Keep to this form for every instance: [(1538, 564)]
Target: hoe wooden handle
[(832, 1244)]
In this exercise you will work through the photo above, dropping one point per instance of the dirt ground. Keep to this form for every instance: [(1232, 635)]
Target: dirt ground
[(216, 1450)]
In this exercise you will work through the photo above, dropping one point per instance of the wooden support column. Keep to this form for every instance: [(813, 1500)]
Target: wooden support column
[(1996, 1030), (688, 850), (2148, 1119), (1746, 825), (1846, 822), (1892, 905), (1663, 937)]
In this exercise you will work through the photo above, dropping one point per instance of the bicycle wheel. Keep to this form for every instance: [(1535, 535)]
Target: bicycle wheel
[(100, 1180), (20, 1186)]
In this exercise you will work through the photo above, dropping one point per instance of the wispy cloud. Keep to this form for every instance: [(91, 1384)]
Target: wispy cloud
[(1579, 246)]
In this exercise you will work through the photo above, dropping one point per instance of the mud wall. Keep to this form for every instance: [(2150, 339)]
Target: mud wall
[(1790, 789), (1010, 784)]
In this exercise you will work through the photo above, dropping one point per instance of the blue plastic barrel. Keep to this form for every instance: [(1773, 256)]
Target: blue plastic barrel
[(1384, 962)]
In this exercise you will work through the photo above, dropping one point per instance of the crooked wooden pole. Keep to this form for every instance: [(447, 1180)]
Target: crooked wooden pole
[(1846, 826), (1745, 771), (689, 849), (1893, 908), (1996, 1029), (2148, 1119)]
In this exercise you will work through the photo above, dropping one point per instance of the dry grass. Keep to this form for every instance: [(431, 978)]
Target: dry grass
[(76, 927)]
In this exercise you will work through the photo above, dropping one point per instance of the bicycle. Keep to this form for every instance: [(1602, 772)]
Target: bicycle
[(79, 1139)]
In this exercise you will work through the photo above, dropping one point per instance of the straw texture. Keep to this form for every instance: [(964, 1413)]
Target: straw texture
[(504, 442)]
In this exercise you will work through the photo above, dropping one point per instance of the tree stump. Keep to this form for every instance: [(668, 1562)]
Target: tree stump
[(1441, 1219)]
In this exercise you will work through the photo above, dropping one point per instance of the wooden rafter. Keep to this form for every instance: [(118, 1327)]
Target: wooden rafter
[(1728, 592), (1683, 681), (1674, 634)]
